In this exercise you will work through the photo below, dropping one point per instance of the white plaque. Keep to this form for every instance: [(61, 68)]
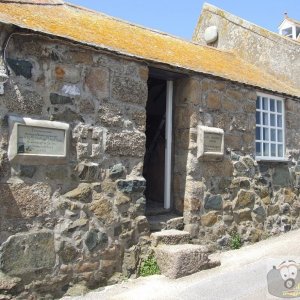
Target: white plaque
[(210, 142), (41, 141), (37, 141)]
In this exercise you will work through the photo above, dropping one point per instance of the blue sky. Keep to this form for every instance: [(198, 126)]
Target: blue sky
[(179, 17)]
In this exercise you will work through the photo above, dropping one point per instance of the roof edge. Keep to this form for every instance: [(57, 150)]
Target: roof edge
[(293, 20), (129, 23), (247, 24), (284, 20), (147, 60)]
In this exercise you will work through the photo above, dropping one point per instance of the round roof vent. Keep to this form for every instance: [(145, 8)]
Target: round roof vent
[(211, 34)]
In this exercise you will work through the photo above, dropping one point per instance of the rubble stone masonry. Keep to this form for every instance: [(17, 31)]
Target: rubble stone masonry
[(238, 194), (83, 223)]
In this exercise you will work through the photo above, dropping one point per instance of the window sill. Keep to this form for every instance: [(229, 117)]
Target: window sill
[(274, 160)]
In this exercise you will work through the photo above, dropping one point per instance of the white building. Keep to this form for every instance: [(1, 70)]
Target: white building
[(290, 28)]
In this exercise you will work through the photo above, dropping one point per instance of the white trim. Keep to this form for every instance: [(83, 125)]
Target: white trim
[(276, 128), (273, 159), (294, 32), (260, 94), (286, 25), (168, 150)]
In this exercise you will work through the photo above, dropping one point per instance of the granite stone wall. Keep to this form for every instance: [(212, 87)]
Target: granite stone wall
[(79, 225), (275, 54), (237, 194)]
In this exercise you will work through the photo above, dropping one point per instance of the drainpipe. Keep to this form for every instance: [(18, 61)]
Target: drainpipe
[(3, 70), (3, 75)]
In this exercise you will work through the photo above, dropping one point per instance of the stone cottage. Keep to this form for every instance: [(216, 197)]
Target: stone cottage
[(105, 124)]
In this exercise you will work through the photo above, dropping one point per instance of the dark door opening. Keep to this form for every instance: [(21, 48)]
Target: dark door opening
[(154, 162)]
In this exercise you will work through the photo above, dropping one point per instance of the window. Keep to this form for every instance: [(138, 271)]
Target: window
[(269, 127), (287, 32), (297, 32)]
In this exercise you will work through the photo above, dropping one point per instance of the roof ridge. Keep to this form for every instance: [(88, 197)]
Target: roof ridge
[(246, 24), (152, 47), (287, 18), (292, 20), (145, 27), (128, 22)]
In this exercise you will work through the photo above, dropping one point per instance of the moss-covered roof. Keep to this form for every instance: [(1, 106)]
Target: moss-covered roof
[(99, 30)]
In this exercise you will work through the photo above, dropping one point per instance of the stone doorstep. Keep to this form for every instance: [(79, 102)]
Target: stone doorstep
[(156, 225), (176, 261), (170, 237), (165, 221)]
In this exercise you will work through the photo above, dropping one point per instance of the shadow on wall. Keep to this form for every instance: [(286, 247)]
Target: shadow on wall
[(9, 206), (9, 209), (180, 142), (20, 204)]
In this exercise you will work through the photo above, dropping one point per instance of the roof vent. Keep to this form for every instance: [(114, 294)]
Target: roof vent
[(211, 34)]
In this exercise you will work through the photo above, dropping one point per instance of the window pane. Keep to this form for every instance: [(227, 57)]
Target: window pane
[(280, 150), (269, 127), (265, 103), (279, 106), (279, 121), (258, 149), (265, 119), (258, 118), (265, 134), (272, 105), (258, 133), (287, 31), (279, 133), (273, 135), (266, 149), (258, 102), (272, 120), (273, 149), (297, 31)]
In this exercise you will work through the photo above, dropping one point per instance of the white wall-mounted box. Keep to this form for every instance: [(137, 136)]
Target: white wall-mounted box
[(210, 143), (37, 142)]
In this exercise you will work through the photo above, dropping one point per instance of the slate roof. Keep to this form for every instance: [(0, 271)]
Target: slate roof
[(104, 32)]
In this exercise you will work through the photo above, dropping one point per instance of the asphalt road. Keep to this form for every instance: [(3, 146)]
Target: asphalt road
[(241, 276)]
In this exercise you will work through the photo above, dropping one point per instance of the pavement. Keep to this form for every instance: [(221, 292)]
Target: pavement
[(241, 276)]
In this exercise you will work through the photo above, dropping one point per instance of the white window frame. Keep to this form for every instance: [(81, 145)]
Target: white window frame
[(269, 127)]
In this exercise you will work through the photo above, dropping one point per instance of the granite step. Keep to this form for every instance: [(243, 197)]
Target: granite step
[(170, 237), (165, 222), (155, 208), (176, 261)]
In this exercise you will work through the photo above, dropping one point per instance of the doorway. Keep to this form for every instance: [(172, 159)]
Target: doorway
[(157, 162)]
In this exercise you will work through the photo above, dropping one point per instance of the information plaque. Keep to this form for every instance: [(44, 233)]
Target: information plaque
[(37, 141), (210, 143)]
